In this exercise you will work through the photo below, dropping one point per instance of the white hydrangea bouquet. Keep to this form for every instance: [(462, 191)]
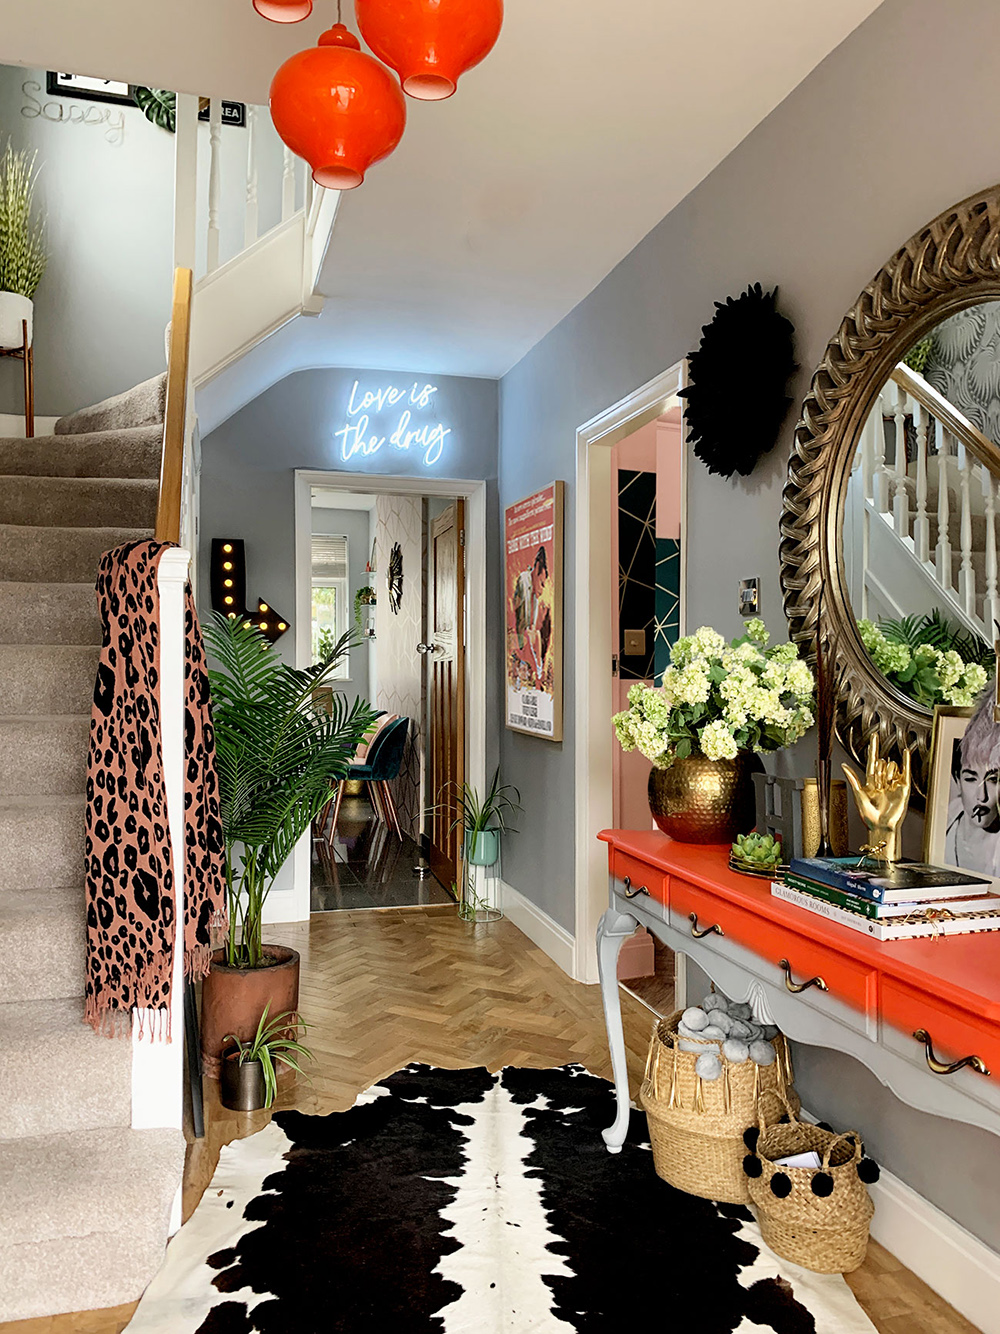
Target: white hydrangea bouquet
[(930, 675), (718, 699)]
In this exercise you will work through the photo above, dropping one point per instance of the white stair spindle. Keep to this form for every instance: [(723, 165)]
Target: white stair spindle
[(214, 182), (901, 499), (867, 448), (991, 602), (880, 477), (250, 221), (942, 553), (967, 573), (921, 523), (287, 184)]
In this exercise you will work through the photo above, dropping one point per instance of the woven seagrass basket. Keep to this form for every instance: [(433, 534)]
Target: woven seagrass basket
[(696, 1126), (816, 1217)]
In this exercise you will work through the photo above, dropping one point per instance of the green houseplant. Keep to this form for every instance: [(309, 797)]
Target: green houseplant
[(364, 597), (281, 739), (929, 658), (23, 253), (485, 818), (249, 1075)]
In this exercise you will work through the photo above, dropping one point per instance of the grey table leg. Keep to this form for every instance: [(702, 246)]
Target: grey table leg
[(614, 927)]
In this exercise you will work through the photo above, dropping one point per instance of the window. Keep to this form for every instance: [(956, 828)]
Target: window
[(330, 601)]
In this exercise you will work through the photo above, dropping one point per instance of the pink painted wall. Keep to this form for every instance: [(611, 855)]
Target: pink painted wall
[(669, 450)]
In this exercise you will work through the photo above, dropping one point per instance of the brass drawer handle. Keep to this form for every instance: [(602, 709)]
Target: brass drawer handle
[(796, 987), (631, 893), (700, 932), (941, 1067)]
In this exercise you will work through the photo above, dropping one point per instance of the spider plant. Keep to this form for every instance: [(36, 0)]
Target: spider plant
[(23, 255), (278, 747), (272, 1043), (479, 814)]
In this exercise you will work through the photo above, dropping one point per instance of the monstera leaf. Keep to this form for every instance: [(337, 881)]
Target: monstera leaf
[(158, 105)]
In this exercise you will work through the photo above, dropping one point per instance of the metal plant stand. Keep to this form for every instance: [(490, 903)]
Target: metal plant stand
[(25, 353)]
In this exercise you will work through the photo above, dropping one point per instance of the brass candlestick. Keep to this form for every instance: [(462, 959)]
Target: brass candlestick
[(883, 800)]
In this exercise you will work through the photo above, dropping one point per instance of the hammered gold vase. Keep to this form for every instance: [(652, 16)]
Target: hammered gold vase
[(705, 801)]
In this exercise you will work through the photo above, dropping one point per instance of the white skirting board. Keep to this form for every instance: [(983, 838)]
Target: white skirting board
[(539, 927), (12, 426)]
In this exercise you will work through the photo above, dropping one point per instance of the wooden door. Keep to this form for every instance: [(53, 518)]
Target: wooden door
[(446, 665)]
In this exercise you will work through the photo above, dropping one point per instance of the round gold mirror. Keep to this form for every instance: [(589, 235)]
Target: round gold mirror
[(889, 535)]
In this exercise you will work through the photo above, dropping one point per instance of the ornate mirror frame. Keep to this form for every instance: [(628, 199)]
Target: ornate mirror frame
[(950, 264)]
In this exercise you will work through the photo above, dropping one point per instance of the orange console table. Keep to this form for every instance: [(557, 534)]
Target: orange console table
[(922, 1015)]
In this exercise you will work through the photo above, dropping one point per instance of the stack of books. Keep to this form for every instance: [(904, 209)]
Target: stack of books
[(905, 901)]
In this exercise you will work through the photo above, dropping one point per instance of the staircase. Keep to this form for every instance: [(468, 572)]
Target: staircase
[(84, 1199)]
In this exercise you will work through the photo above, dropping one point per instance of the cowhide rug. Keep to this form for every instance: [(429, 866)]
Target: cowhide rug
[(465, 1202)]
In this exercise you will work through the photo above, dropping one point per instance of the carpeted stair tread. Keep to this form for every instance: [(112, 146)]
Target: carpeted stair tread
[(47, 678), (43, 936), (78, 502), (41, 843), (144, 405), (133, 452), (48, 614), (59, 555), (83, 1218), (43, 755), (57, 1074)]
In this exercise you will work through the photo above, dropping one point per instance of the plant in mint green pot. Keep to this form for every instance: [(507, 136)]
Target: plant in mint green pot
[(719, 706), (483, 819)]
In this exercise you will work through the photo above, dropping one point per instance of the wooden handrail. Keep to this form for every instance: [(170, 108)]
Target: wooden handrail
[(949, 416), (168, 509)]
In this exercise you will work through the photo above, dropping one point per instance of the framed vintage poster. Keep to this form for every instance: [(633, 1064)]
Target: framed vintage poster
[(962, 827), (533, 606)]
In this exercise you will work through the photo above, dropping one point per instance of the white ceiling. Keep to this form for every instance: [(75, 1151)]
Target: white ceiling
[(505, 205)]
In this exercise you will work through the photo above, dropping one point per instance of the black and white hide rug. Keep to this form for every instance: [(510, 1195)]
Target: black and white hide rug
[(467, 1202)]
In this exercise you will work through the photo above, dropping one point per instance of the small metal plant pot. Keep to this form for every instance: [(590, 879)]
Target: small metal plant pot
[(241, 1086), (483, 847)]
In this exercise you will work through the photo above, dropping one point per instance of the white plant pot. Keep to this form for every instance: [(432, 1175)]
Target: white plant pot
[(14, 309)]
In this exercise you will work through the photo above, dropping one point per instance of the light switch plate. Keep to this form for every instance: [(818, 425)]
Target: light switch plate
[(749, 597), (634, 643)]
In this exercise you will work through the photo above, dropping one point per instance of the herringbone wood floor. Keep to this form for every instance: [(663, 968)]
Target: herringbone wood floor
[(380, 989)]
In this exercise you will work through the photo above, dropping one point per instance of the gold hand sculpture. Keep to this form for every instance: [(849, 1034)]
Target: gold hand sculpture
[(883, 800)]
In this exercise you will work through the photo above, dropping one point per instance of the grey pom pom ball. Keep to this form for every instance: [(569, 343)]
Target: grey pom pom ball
[(713, 1034), (762, 1053), (715, 1001), (740, 1010), (695, 1019), (708, 1066), (739, 1028), (736, 1051)]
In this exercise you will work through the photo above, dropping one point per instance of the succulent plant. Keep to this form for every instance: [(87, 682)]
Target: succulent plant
[(760, 851)]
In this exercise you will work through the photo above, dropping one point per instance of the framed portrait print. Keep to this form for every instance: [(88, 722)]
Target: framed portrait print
[(962, 827), (533, 606)]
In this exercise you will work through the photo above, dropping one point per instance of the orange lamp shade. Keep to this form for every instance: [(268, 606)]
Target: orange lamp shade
[(284, 11), (429, 43), (338, 108)]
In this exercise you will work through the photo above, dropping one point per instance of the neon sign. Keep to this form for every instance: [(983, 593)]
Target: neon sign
[(392, 416)]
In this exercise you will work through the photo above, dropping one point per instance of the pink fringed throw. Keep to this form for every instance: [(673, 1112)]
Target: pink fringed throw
[(129, 859)]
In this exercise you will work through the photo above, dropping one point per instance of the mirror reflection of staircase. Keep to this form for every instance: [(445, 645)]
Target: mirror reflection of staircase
[(85, 1200)]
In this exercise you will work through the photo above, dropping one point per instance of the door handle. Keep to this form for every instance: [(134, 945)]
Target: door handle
[(429, 648), (631, 893), (942, 1067), (796, 987), (699, 932)]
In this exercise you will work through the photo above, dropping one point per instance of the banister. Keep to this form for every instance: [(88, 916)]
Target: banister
[(168, 510), (949, 416)]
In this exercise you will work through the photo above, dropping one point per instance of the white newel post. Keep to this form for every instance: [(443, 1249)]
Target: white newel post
[(214, 183), (942, 554), (921, 524), (250, 221), (900, 499), (158, 1066), (967, 574)]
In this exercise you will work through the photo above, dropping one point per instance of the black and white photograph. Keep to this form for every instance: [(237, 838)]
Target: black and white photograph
[(963, 813)]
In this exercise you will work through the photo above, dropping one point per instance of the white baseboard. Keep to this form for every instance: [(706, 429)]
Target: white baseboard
[(12, 425), (958, 1266), (539, 927)]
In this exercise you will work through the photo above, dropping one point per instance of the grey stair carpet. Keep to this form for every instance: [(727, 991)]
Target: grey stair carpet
[(84, 1199)]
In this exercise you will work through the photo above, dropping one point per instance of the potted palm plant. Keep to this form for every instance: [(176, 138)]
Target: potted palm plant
[(23, 255), (280, 741), (249, 1078)]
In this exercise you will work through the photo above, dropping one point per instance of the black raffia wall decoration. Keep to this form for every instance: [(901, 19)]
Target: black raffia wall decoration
[(736, 399)]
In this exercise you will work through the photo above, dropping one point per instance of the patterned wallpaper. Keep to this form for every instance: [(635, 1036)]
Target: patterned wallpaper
[(399, 679), (636, 568), (964, 365)]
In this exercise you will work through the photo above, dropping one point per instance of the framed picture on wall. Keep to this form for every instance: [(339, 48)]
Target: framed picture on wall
[(87, 87), (962, 826), (533, 613)]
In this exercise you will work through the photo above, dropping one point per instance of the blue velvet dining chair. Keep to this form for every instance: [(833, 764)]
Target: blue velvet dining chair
[(381, 766)]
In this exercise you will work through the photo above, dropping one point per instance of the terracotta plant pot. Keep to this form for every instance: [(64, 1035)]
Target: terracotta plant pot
[(705, 801), (241, 1086), (233, 1000)]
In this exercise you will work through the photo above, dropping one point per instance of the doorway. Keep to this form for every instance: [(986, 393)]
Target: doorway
[(407, 591)]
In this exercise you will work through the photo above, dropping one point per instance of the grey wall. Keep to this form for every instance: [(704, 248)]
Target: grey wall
[(103, 305), (248, 462), (355, 525), (892, 128)]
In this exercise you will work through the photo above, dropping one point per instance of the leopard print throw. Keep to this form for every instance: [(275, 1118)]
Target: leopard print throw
[(130, 861)]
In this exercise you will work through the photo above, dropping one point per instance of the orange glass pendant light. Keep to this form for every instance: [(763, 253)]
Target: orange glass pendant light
[(429, 43), (284, 11), (338, 108)]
